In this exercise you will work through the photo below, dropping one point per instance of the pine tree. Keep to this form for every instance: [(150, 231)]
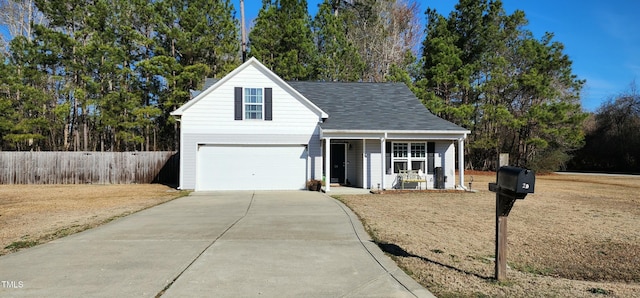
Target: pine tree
[(196, 39), (338, 58), (281, 39), (105, 74), (516, 94)]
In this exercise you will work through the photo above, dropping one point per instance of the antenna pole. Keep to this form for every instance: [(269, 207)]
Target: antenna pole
[(244, 33)]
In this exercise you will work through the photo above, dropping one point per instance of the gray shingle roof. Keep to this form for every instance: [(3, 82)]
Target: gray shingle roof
[(208, 82), (371, 106)]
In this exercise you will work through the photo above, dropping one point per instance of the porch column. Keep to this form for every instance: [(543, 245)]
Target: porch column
[(461, 161), (327, 164), (383, 162), (364, 164)]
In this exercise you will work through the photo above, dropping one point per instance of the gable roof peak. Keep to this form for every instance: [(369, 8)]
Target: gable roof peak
[(256, 63)]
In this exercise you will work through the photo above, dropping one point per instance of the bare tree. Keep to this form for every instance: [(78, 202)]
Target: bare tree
[(384, 33), (19, 16)]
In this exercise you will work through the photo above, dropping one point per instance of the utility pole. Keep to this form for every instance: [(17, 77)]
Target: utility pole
[(244, 32)]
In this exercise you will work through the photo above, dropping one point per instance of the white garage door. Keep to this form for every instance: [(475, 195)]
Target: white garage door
[(251, 167)]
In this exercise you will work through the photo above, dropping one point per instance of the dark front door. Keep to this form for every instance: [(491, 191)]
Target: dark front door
[(337, 163)]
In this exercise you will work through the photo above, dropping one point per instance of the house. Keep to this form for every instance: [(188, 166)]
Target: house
[(251, 130)]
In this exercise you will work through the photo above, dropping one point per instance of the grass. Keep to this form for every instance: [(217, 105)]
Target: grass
[(18, 245), (554, 248), (532, 269), (35, 214)]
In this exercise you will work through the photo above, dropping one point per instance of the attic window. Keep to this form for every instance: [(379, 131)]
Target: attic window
[(253, 103)]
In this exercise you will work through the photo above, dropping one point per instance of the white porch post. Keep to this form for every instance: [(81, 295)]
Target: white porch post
[(364, 164), (383, 162), (327, 164), (461, 161)]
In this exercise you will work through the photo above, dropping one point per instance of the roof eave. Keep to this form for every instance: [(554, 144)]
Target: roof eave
[(397, 131), (393, 134)]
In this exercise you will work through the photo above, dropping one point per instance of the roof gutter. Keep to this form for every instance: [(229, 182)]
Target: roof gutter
[(465, 132)]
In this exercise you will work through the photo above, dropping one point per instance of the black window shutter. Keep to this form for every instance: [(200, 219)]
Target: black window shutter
[(431, 150), (238, 103), (388, 154), (268, 104)]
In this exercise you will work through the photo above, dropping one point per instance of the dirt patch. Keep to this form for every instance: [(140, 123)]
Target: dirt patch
[(576, 236), (32, 214)]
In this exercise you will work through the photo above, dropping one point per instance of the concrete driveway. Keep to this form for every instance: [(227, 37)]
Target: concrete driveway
[(220, 244)]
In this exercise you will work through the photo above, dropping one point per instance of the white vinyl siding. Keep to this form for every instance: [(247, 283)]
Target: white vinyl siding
[(374, 159), (213, 114), (448, 162), (354, 163), (210, 121)]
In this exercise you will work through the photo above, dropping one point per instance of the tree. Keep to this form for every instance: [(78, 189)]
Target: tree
[(383, 32), (281, 38), (24, 97), (338, 59), (196, 39), (612, 136), (19, 17), (516, 94), (105, 74)]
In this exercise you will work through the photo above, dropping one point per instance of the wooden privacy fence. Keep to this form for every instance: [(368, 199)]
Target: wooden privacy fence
[(88, 167)]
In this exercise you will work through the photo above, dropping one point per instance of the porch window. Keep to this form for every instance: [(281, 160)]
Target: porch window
[(409, 156), (399, 166), (400, 150), (253, 103)]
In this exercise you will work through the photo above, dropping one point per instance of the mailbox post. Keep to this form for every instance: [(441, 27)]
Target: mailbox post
[(512, 184)]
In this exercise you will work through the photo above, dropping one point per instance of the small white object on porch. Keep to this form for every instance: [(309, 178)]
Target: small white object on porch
[(412, 176)]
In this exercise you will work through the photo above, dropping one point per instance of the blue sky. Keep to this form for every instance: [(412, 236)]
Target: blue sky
[(602, 38)]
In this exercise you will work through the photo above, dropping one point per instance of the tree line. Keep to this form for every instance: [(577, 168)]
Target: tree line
[(104, 74), (612, 136)]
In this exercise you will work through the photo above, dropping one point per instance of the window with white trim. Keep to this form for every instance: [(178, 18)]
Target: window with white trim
[(408, 156), (253, 103)]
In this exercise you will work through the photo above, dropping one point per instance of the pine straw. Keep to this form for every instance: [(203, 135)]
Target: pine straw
[(576, 236), (33, 214)]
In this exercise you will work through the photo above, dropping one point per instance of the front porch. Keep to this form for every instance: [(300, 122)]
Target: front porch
[(376, 162)]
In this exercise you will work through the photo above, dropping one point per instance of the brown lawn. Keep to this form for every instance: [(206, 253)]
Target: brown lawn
[(33, 214), (577, 236)]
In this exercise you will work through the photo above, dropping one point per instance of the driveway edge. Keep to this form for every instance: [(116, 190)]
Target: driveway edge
[(385, 261)]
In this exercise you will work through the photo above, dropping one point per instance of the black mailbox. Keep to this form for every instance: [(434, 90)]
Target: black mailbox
[(516, 180)]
